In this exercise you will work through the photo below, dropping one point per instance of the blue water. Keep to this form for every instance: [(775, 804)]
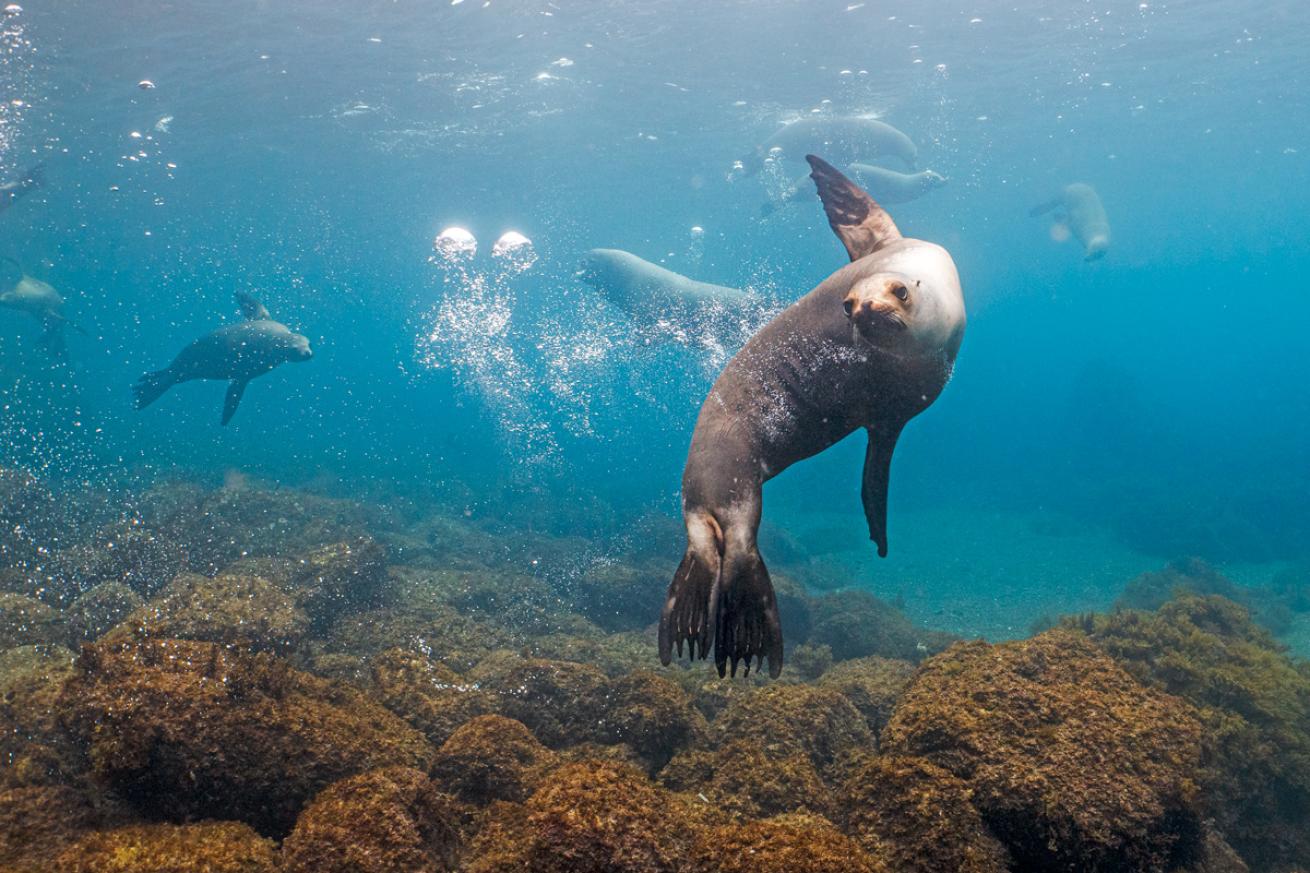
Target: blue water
[(1103, 418)]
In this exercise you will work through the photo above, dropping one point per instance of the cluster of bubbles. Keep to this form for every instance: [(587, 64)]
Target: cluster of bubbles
[(469, 332), (16, 65)]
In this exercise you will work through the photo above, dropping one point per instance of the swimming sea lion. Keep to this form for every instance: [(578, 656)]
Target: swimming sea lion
[(1080, 207), (11, 191), (41, 301), (884, 185), (643, 289), (845, 139), (871, 347), (238, 352)]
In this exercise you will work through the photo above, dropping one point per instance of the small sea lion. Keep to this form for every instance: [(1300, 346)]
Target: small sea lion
[(884, 185), (647, 290), (871, 347), (1079, 207), (845, 139), (41, 301), (11, 191), (236, 353)]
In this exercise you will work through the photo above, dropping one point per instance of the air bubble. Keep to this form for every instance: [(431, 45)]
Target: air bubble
[(455, 244)]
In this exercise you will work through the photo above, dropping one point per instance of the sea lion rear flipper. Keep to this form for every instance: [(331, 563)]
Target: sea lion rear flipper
[(233, 399), (747, 625), (857, 219), (250, 307), (688, 608), (877, 477)]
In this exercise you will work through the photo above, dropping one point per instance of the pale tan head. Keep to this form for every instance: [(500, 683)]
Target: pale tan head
[(882, 307)]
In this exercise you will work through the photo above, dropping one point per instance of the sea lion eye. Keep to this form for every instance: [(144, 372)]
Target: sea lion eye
[(849, 305), (902, 293)]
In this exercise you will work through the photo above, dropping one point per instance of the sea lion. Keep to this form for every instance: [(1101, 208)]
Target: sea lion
[(238, 353), (647, 290), (845, 139), (871, 347), (884, 185), (1079, 206), (14, 189), (41, 301)]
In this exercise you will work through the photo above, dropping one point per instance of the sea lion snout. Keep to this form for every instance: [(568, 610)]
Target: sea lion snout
[(880, 304)]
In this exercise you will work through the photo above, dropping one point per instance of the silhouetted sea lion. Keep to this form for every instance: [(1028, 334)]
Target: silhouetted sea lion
[(12, 190), (41, 301), (884, 185), (871, 347), (844, 139), (648, 290), (1079, 206), (238, 353)]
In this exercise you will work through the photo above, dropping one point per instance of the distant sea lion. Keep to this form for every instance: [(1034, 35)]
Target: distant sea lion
[(870, 347), (11, 191), (845, 139), (647, 290), (41, 301), (1079, 206), (884, 185), (238, 353)]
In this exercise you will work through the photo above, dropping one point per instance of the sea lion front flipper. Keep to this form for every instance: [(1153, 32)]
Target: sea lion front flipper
[(233, 399), (250, 307), (857, 219), (877, 477)]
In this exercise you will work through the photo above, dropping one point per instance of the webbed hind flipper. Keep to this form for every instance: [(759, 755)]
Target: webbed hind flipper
[(689, 608), (233, 398), (747, 626)]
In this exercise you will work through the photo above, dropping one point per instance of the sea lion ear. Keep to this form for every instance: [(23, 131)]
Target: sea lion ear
[(857, 219), (250, 307)]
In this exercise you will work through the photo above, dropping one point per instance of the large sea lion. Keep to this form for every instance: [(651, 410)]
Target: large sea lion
[(871, 347), (647, 290), (1079, 207), (41, 301), (13, 190), (236, 353), (884, 185), (844, 139)]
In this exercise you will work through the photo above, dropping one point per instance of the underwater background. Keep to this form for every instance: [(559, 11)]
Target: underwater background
[(1106, 419)]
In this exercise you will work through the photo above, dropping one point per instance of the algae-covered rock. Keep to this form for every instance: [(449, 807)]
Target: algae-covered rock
[(431, 697), (856, 624), (588, 817), (785, 844), (32, 518), (741, 777), (33, 749), (339, 578), (650, 714), (127, 552), (1254, 702), (872, 684), (1072, 763), (809, 661), (191, 730), (385, 821), (25, 621), (94, 612), (558, 700), (37, 821), (817, 722), (211, 846), (491, 758), (243, 611), (917, 818), (434, 629)]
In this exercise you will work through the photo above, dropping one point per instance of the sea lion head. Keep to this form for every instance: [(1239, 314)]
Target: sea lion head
[(291, 346), (1097, 246), (881, 309)]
